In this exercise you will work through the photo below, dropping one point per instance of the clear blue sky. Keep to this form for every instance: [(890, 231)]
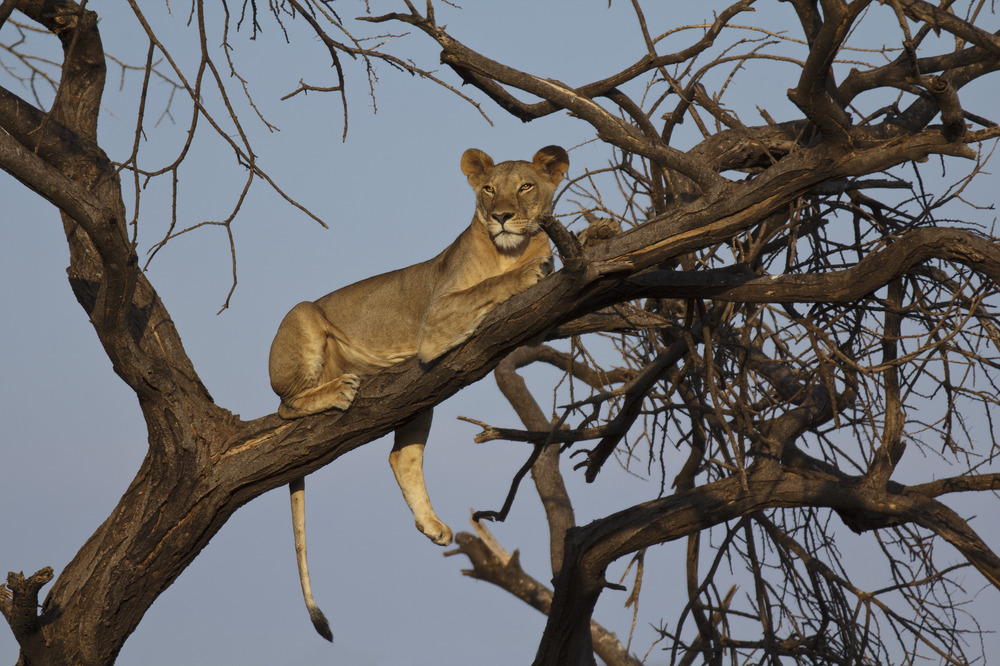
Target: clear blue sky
[(392, 194)]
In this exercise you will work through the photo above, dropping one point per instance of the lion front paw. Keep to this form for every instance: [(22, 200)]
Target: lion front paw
[(436, 531), (535, 270), (546, 266)]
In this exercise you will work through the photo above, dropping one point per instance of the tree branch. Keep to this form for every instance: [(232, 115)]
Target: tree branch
[(493, 564), (592, 548), (19, 603), (490, 75), (941, 19), (875, 270)]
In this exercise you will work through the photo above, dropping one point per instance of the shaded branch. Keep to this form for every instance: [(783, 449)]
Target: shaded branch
[(958, 484), (491, 563), (592, 548), (875, 270), (941, 19), (814, 92)]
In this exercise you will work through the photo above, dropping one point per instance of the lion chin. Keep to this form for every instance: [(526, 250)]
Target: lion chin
[(508, 241)]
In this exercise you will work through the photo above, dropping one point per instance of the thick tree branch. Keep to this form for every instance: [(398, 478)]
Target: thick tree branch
[(874, 271), (592, 548), (65, 194), (122, 305)]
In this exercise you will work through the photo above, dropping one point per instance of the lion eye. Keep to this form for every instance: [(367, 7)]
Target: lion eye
[(488, 189), (526, 187)]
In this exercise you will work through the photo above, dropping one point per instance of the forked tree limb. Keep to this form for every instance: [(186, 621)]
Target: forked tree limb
[(814, 93), (602, 87), (941, 19), (490, 76), (19, 603), (504, 570), (592, 548)]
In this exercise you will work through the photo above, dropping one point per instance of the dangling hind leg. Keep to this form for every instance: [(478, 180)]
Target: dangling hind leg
[(407, 462)]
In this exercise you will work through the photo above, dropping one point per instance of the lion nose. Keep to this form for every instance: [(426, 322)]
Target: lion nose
[(501, 218)]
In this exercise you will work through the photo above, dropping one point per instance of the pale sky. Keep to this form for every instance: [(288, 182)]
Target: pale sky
[(392, 195)]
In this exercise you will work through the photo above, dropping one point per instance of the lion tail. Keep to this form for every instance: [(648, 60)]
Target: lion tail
[(297, 489)]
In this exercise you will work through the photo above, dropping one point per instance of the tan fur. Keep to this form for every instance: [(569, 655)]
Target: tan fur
[(322, 347)]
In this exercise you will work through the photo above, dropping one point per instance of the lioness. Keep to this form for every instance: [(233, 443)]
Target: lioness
[(322, 347)]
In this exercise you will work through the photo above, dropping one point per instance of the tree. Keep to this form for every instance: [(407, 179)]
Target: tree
[(777, 315)]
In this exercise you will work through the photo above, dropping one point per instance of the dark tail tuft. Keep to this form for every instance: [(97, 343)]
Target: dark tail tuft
[(319, 621)]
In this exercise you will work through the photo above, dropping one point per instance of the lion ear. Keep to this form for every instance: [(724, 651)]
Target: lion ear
[(553, 161), (476, 165)]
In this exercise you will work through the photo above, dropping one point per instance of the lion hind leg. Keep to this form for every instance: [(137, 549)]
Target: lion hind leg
[(335, 394), (307, 364), (407, 462)]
